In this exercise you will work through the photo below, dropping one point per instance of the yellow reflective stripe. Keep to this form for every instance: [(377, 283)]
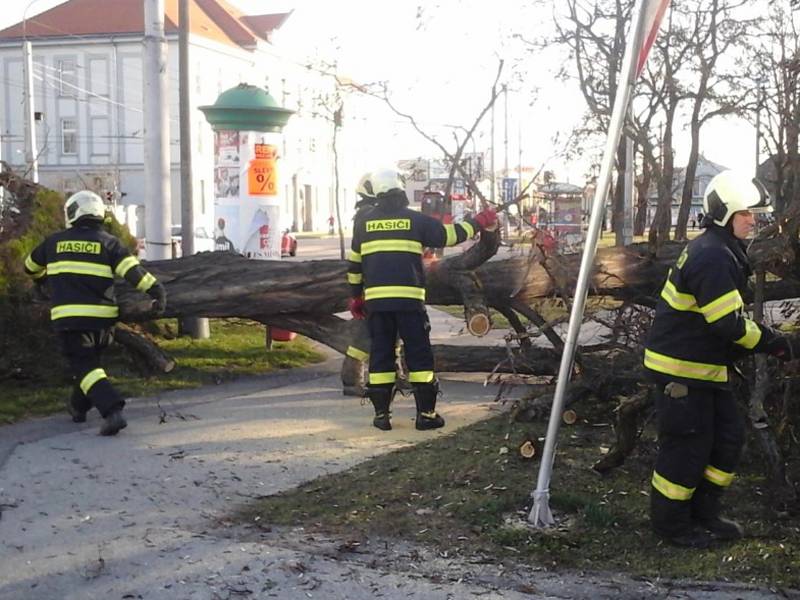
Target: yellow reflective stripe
[(91, 378), (354, 256), (394, 291), (354, 352), (74, 267), (717, 476), (32, 265), (685, 368), (84, 310), (678, 300), (450, 230), (673, 491), (722, 306), (752, 335), (379, 378), (391, 246), (420, 376), (125, 265), (468, 228), (354, 278), (146, 283)]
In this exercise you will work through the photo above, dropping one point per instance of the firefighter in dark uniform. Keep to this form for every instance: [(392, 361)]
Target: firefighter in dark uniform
[(79, 265), (387, 283), (699, 329)]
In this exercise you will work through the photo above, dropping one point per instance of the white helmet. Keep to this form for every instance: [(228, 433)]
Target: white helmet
[(364, 187), (730, 192), (387, 180), (84, 204)]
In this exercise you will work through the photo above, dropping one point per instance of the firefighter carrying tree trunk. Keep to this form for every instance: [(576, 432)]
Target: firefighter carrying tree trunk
[(387, 284), (79, 265), (699, 329)]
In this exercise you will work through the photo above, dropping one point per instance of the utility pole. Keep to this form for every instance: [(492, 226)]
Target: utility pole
[(30, 117), (627, 210), (506, 188), (192, 326), (491, 159), (158, 202)]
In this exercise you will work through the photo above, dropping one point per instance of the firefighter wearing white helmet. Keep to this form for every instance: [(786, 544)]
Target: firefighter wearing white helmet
[(387, 287), (699, 327), (79, 265)]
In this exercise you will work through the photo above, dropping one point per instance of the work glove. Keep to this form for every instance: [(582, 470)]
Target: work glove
[(357, 308), (159, 295), (487, 218), (784, 348)]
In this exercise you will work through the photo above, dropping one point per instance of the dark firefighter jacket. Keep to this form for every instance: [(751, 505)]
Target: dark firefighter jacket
[(80, 264), (385, 262), (700, 326)]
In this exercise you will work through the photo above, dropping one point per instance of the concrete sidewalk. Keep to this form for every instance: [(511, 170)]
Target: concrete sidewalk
[(144, 515)]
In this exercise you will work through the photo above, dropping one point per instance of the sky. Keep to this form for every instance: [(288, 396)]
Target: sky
[(439, 59)]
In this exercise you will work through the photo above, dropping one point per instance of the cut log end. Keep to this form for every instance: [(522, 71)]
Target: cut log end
[(527, 449), (569, 417), (479, 324)]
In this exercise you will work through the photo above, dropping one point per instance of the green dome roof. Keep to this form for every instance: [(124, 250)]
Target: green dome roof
[(246, 108)]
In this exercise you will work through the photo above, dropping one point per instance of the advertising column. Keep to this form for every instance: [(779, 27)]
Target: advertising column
[(246, 190)]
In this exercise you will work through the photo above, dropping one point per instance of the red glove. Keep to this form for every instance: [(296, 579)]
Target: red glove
[(356, 307), (487, 218)]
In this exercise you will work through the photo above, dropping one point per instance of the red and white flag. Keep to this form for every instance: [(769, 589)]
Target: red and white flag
[(654, 13)]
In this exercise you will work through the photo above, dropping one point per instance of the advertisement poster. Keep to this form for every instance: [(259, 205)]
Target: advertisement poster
[(247, 202)]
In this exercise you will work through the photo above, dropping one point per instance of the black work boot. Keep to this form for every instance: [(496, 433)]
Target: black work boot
[(425, 397), (113, 423), (381, 398), (75, 410), (694, 537), (706, 508)]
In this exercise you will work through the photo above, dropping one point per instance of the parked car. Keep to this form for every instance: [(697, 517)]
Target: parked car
[(203, 242), (288, 244)]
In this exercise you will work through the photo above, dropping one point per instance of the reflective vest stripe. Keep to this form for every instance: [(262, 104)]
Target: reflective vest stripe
[(354, 352), (355, 278), (125, 265), (379, 378), (717, 476), (678, 300), (752, 335), (420, 376), (74, 267), (671, 490), (468, 228), (84, 310), (450, 230), (146, 283), (722, 306), (91, 378), (33, 266), (685, 368), (354, 256), (391, 246), (394, 291)]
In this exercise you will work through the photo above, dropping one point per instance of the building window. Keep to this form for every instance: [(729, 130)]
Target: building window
[(67, 78), (69, 136)]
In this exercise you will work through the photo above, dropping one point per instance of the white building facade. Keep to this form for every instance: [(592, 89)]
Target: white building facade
[(89, 103)]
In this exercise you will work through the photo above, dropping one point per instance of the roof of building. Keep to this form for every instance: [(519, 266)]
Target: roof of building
[(212, 19)]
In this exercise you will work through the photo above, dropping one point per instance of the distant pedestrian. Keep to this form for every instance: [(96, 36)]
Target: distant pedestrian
[(331, 222), (694, 223)]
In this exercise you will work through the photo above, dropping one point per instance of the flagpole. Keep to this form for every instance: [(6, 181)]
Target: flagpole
[(540, 514)]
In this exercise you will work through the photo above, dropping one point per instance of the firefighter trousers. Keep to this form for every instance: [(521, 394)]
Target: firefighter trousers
[(92, 387), (414, 328), (701, 434)]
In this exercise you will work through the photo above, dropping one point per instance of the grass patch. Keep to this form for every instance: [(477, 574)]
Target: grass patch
[(235, 349), (463, 494)]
